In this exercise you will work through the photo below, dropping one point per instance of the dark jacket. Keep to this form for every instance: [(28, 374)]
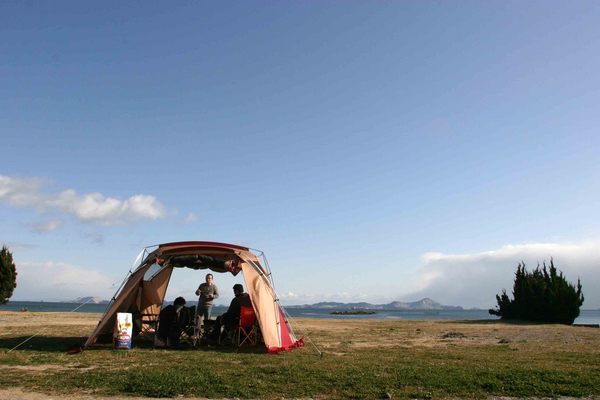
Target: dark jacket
[(232, 317), (171, 323)]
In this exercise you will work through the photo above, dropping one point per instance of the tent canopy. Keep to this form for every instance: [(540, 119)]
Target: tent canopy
[(143, 290)]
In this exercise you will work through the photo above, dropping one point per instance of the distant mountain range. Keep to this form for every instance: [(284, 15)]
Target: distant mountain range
[(88, 300), (423, 304)]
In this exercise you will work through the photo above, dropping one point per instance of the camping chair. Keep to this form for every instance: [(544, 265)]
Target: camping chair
[(247, 331), (184, 325), (188, 326), (149, 323)]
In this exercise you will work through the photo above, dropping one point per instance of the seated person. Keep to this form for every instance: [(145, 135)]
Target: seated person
[(231, 319), (171, 322)]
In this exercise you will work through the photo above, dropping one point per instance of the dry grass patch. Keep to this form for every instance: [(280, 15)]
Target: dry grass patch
[(361, 359)]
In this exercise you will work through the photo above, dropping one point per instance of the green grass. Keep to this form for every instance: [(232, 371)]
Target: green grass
[(346, 370)]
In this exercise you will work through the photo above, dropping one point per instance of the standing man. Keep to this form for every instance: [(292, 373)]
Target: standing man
[(207, 291)]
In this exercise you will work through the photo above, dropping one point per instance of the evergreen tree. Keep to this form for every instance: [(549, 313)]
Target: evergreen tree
[(8, 275), (543, 295)]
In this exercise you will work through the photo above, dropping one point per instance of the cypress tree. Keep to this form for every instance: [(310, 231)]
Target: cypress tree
[(8, 275), (543, 295)]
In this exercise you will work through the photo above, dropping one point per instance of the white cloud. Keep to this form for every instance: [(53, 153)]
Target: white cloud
[(190, 219), (59, 281), (47, 226), (92, 207), (473, 280), (20, 192)]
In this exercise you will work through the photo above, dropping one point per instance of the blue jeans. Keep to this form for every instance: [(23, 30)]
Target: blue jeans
[(204, 311)]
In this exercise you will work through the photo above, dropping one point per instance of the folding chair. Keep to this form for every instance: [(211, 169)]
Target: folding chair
[(149, 323), (247, 331), (183, 326), (188, 326)]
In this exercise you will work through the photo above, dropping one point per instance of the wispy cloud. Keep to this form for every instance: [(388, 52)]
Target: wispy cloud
[(91, 207), (473, 279), (18, 247), (46, 226), (94, 237), (190, 219), (60, 281)]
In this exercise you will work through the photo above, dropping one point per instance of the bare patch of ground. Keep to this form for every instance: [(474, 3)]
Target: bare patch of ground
[(42, 319), (442, 334), (46, 367), (19, 394)]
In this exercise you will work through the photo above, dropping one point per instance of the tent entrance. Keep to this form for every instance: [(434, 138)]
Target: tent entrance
[(144, 289)]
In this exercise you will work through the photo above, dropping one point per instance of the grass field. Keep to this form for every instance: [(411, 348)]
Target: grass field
[(361, 359)]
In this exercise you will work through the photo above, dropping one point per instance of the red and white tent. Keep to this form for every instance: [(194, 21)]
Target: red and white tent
[(143, 290)]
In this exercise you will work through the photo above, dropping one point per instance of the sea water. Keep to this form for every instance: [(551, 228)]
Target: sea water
[(585, 317)]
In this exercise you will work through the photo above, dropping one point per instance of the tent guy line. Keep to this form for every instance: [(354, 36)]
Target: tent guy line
[(45, 328)]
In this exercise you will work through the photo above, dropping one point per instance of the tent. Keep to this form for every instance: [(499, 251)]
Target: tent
[(143, 290)]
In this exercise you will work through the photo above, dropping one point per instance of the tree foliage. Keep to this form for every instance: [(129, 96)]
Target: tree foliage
[(543, 295), (8, 275)]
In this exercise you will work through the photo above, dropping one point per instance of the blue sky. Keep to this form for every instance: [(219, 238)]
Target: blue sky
[(375, 151)]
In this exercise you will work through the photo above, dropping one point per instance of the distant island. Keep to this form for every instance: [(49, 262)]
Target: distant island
[(88, 300), (353, 312), (420, 305)]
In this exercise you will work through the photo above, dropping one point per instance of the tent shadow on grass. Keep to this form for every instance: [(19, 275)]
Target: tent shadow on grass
[(42, 343), (62, 344)]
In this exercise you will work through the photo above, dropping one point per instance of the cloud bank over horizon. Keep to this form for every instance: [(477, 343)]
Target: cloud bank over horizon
[(57, 281), (473, 280), (91, 207), (467, 280)]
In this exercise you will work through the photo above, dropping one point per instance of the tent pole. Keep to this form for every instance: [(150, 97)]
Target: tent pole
[(262, 255), (138, 262), (285, 313)]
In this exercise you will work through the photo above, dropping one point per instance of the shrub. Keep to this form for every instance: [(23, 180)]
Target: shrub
[(8, 275), (543, 295)]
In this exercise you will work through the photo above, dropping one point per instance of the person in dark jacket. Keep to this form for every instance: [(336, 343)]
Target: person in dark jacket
[(171, 322), (230, 320)]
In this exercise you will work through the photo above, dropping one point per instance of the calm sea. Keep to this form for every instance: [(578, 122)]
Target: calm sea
[(586, 316)]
